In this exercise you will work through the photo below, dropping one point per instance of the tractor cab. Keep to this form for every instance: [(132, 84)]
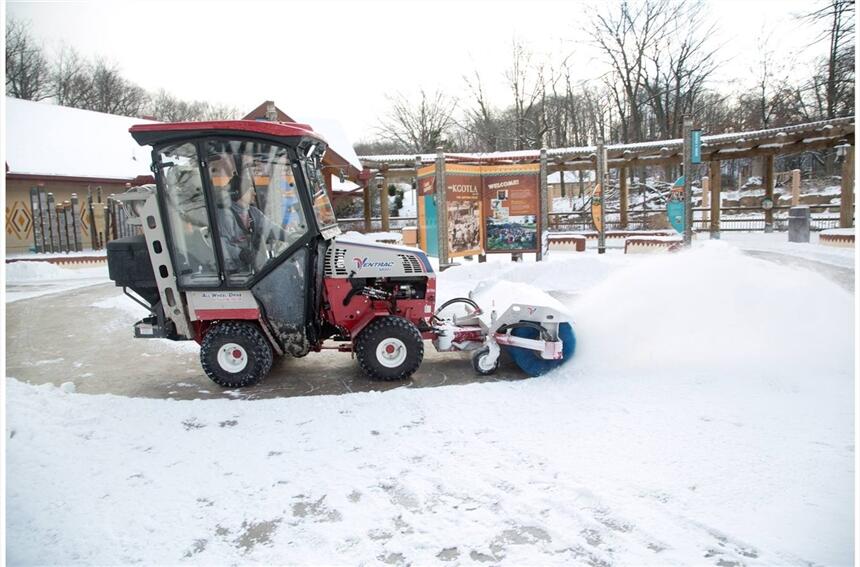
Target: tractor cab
[(240, 216)]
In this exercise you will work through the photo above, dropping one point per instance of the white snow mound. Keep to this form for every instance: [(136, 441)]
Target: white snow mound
[(715, 310)]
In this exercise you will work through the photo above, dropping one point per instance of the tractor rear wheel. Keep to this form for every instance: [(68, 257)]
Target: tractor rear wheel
[(235, 354), (390, 348)]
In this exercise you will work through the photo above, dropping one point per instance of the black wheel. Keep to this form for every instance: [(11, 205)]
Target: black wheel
[(480, 363), (235, 354), (390, 348)]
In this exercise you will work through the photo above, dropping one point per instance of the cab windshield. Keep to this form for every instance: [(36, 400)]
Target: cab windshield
[(312, 168)]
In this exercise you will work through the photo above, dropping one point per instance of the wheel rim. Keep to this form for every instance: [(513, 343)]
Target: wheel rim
[(391, 353), (484, 364), (232, 358)]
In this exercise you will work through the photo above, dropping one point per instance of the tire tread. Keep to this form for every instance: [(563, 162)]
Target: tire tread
[(260, 354), (365, 348)]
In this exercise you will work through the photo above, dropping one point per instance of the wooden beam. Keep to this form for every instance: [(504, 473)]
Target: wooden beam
[(846, 209)]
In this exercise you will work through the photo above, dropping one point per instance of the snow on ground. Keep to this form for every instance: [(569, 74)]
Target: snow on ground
[(706, 419), (25, 280)]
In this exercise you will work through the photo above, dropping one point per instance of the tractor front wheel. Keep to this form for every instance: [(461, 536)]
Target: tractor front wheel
[(481, 362), (235, 354), (390, 348)]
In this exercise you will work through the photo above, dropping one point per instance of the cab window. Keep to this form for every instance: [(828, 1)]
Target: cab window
[(312, 166), (257, 207), (187, 220)]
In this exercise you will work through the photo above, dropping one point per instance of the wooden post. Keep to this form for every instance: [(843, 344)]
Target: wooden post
[(543, 203), (795, 187), (581, 184), (561, 179), (441, 209), (91, 214), (714, 180), (383, 201), (622, 180), (53, 233), (768, 192), (706, 183), (367, 203), (76, 223), (846, 208), (68, 231), (601, 179), (419, 206), (688, 180), (38, 241)]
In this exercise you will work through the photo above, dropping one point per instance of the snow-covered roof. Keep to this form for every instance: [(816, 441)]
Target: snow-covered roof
[(342, 187), (52, 140)]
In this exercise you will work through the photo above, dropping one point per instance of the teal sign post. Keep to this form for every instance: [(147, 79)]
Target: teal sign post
[(696, 146), (675, 208)]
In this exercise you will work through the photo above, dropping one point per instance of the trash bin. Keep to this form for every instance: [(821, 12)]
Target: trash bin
[(798, 224)]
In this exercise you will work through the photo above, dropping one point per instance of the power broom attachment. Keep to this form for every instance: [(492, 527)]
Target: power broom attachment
[(538, 338)]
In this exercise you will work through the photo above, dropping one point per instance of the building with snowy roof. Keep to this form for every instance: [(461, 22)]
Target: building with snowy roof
[(65, 151), (68, 151)]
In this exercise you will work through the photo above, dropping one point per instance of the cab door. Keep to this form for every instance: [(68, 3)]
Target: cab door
[(263, 231)]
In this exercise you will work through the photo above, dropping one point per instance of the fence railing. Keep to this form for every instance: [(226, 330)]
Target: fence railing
[(731, 219)]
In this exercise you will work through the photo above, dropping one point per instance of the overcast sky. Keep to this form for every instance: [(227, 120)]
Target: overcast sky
[(340, 59)]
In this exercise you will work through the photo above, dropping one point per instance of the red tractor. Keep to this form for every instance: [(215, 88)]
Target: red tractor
[(239, 250)]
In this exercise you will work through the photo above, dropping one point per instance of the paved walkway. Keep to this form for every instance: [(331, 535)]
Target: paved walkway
[(843, 276), (62, 337)]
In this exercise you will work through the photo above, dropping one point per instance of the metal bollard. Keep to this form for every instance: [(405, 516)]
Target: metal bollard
[(798, 224)]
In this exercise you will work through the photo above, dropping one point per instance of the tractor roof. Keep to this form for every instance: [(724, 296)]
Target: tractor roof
[(147, 134)]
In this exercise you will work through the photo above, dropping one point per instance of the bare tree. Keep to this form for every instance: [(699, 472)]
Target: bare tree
[(526, 82), (113, 94), (772, 100), (219, 112), (625, 38), (27, 72), (481, 125), (833, 87), (680, 64), (167, 108), (71, 83), (420, 127)]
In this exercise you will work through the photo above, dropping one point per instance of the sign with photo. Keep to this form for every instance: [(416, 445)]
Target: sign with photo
[(463, 209), (511, 208)]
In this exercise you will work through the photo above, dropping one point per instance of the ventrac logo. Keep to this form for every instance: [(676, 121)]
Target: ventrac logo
[(361, 263)]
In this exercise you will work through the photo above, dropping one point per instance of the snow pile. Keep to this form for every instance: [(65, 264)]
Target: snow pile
[(26, 280), (710, 311), (370, 237), (34, 271), (839, 231), (568, 273)]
